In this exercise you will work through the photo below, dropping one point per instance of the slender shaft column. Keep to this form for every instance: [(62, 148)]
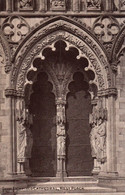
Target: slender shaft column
[(9, 5), (43, 5), (61, 138), (10, 94), (111, 137), (108, 5), (76, 5), (97, 167)]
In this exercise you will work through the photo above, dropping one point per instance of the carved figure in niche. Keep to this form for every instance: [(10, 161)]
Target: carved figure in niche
[(94, 4), (98, 140), (22, 137), (25, 3), (25, 139), (98, 132), (101, 141), (93, 137), (60, 118), (61, 139), (29, 137)]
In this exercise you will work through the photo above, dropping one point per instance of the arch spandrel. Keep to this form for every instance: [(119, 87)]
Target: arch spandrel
[(61, 29)]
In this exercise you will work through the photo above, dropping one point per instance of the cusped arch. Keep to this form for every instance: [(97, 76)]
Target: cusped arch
[(61, 28), (5, 52)]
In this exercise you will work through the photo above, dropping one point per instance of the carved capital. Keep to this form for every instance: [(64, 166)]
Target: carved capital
[(114, 66), (14, 93), (107, 92), (10, 92)]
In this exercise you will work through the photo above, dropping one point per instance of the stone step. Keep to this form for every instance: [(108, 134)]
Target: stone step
[(65, 187), (64, 184), (56, 179)]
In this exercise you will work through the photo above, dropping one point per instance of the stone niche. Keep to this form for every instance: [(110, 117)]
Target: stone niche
[(58, 5), (25, 5)]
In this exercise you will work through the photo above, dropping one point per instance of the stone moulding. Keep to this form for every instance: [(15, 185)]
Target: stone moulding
[(107, 92), (13, 93), (66, 29)]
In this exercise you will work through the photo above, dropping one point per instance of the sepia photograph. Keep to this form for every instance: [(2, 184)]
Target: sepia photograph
[(62, 97)]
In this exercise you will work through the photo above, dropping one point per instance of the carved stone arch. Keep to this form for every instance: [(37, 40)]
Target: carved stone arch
[(65, 69), (73, 33), (5, 53), (62, 28)]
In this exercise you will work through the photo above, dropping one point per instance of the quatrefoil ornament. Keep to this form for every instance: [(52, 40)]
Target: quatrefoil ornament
[(106, 28), (15, 28)]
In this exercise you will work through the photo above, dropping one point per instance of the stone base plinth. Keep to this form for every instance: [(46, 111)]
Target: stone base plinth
[(61, 174), (15, 182), (112, 181)]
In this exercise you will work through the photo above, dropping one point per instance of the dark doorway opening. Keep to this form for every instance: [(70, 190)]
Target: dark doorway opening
[(79, 159), (42, 106)]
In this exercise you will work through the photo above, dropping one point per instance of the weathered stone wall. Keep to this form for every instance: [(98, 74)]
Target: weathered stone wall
[(120, 116), (4, 120)]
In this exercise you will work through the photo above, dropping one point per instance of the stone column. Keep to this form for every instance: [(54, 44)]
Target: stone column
[(9, 5), (61, 138), (108, 5), (111, 137), (76, 5), (11, 160)]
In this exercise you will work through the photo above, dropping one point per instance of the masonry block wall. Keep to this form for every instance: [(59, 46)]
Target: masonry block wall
[(4, 121), (120, 116)]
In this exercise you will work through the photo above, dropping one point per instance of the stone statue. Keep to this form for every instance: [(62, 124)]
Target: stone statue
[(93, 137), (21, 137), (61, 138), (25, 3), (98, 140), (25, 139), (60, 119), (101, 139)]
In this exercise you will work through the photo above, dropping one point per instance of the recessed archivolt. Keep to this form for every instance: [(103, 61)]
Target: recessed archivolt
[(94, 62), (72, 34), (60, 70)]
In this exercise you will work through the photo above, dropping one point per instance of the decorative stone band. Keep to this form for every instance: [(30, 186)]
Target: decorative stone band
[(13, 93), (108, 92)]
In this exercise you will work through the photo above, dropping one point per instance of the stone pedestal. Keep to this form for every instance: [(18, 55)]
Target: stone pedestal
[(97, 168), (115, 181)]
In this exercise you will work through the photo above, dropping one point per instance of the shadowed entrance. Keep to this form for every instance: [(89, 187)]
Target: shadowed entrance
[(79, 159), (42, 105)]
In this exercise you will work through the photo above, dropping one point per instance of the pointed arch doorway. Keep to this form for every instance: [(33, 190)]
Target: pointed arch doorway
[(60, 104)]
